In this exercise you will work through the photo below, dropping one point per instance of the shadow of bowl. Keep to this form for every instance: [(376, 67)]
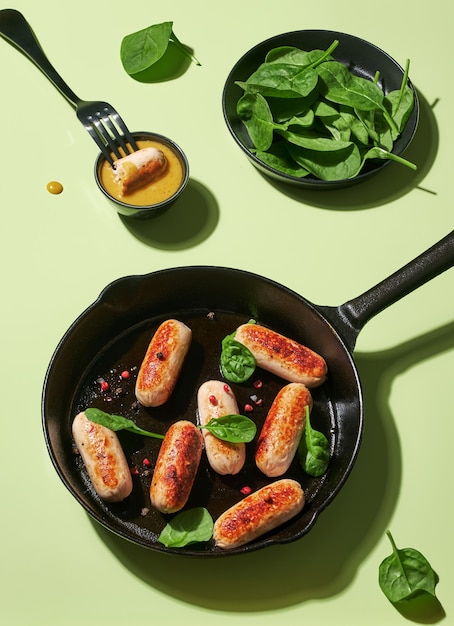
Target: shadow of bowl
[(191, 220)]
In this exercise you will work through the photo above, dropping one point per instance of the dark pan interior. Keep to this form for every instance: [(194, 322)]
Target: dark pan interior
[(112, 336)]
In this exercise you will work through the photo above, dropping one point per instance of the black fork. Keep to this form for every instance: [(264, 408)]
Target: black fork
[(100, 119)]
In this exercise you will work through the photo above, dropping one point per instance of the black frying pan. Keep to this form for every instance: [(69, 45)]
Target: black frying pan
[(112, 334)]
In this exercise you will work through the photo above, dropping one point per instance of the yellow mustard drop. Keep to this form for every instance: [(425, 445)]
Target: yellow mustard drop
[(54, 187)]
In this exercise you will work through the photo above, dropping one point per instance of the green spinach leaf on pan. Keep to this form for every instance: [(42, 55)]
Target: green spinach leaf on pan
[(187, 527)]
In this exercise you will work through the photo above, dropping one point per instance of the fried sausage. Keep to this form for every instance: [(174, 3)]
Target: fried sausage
[(282, 356), (215, 399), (281, 432), (139, 168), (176, 467), (103, 458), (258, 513), (162, 363)]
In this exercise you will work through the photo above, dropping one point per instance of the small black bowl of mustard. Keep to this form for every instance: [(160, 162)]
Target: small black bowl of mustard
[(146, 182)]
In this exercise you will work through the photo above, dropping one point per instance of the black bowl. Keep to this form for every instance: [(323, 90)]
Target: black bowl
[(361, 57), (152, 210)]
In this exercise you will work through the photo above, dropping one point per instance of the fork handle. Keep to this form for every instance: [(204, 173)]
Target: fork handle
[(15, 30)]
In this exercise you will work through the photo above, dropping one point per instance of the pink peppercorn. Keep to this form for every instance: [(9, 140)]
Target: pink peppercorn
[(147, 462), (104, 385), (248, 408), (258, 384), (246, 490), (226, 388), (213, 400), (124, 374)]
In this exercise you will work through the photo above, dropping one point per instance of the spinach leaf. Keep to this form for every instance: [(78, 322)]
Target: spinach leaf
[(305, 120), (311, 140), (400, 103), (331, 121), (116, 422), (279, 158), (283, 109), (282, 80), (183, 49), (232, 428), (295, 56), (357, 128), (191, 526), (339, 85), (140, 50), (380, 153), (343, 161), (255, 113), (237, 362), (316, 57), (313, 450), (338, 128), (322, 108), (378, 128), (401, 107), (405, 574)]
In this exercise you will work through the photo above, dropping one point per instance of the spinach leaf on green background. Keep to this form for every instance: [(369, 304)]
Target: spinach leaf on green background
[(140, 50), (405, 574)]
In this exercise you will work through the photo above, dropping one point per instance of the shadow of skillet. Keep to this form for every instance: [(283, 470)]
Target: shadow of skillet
[(393, 182), (192, 218), (377, 372), (326, 560)]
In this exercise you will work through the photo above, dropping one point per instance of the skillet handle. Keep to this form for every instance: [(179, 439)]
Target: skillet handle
[(349, 318)]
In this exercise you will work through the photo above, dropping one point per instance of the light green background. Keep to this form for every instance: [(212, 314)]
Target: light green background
[(58, 252)]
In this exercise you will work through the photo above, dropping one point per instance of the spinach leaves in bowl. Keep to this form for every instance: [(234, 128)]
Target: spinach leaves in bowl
[(320, 109)]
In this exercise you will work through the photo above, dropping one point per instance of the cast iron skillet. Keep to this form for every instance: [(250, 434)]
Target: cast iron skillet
[(112, 334)]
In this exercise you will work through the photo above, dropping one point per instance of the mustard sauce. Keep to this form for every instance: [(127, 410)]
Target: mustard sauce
[(54, 187), (154, 192)]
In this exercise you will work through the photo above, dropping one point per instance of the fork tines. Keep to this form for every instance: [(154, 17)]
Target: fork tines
[(110, 133)]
